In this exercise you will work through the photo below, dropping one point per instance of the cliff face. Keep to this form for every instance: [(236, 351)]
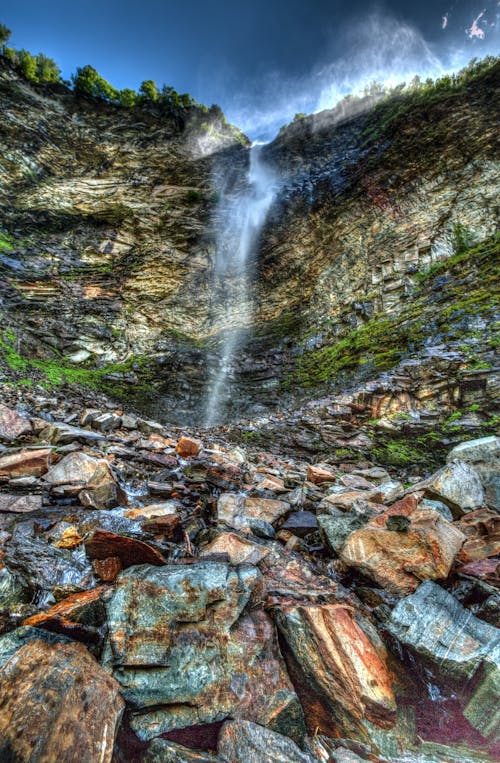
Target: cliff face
[(109, 249)]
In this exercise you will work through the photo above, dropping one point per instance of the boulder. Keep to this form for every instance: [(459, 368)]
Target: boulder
[(238, 550), (340, 673), (188, 446), (317, 475), (237, 511), (460, 647), (484, 456), (12, 424), (26, 463), (458, 485), (246, 742), (187, 650), (74, 469), (57, 704), (100, 490), (398, 559)]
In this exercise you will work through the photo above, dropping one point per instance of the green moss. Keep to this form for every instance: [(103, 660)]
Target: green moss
[(54, 372), (383, 341), (5, 243)]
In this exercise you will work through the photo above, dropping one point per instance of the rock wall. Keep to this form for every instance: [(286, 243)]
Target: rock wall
[(110, 218)]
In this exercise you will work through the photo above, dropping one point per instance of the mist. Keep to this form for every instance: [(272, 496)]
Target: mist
[(377, 47)]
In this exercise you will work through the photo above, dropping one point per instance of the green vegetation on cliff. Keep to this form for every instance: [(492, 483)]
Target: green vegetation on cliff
[(472, 279)]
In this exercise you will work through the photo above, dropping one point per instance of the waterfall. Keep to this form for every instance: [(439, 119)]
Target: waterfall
[(241, 216)]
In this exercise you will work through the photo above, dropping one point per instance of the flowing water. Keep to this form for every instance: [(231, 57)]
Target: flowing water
[(240, 219)]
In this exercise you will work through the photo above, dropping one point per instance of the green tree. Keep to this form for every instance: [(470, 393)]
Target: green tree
[(85, 79), (88, 80), (127, 97), (47, 69), (4, 36), (28, 65), (149, 90)]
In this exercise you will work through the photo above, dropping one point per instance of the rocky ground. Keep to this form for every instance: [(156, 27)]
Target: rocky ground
[(182, 596)]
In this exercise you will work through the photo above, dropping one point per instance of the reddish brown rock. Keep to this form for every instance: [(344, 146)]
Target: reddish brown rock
[(107, 569), (486, 569), (168, 526), (188, 446), (26, 463), (67, 615), (102, 544), (317, 475), (400, 560), (482, 529), (57, 704), (340, 674), (12, 425)]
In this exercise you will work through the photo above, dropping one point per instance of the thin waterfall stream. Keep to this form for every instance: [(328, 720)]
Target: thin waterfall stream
[(240, 218)]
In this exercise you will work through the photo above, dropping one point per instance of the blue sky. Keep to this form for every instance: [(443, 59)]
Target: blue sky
[(262, 60)]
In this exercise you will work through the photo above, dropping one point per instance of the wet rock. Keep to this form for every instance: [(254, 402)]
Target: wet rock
[(43, 565), (102, 544), (459, 646), (20, 504), (335, 663), (317, 475), (188, 446), (399, 559), (12, 424), (484, 456), (27, 463), (301, 523), (237, 511), (163, 751), (245, 742), (187, 650), (458, 485), (57, 704), (238, 550)]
